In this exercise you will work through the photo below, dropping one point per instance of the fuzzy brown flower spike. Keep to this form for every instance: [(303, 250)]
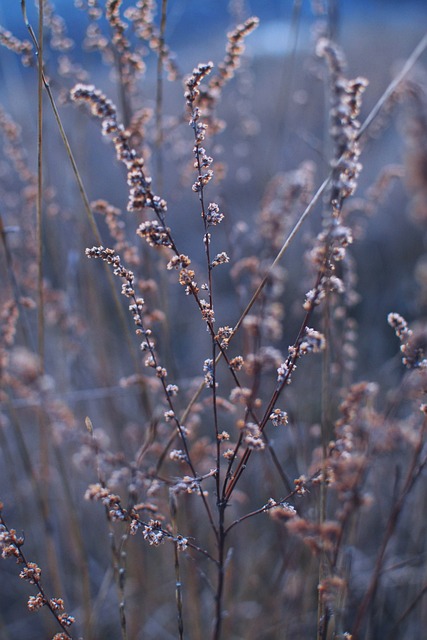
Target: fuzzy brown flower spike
[(412, 354), (345, 108), (140, 194), (23, 48), (234, 52)]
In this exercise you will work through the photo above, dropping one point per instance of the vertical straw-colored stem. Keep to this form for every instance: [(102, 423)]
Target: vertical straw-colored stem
[(322, 614), (159, 98), (39, 204), (178, 583), (43, 485)]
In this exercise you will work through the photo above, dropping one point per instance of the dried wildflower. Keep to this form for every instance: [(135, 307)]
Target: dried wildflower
[(223, 436), (178, 262), (240, 395), (193, 82), (224, 336), (66, 620), (131, 64), (278, 417), (153, 533), (172, 390), (186, 278), (178, 455), (140, 194), (10, 543), (141, 16), (228, 454), (109, 500), (346, 102), (253, 437), (234, 52), (220, 258), (31, 572), (412, 354), (161, 372), (280, 510), (313, 297), (236, 363), (203, 161), (335, 285), (300, 485), (23, 48), (207, 312), (202, 180), (313, 342), (187, 484), (284, 372), (154, 233), (212, 215), (57, 604), (181, 543), (150, 362), (208, 371), (400, 326), (36, 602)]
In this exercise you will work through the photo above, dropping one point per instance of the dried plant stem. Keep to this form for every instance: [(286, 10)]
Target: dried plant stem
[(76, 535), (118, 554), (322, 612), (372, 115), (39, 202), (178, 583), (159, 97), (43, 484), (46, 601), (40, 498), (15, 287), (221, 571), (413, 474), (91, 218), (262, 284), (229, 487), (417, 52), (374, 112), (282, 131), (408, 611)]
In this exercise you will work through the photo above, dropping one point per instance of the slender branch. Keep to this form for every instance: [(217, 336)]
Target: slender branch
[(39, 202), (159, 96), (87, 207), (414, 472), (417, 52)]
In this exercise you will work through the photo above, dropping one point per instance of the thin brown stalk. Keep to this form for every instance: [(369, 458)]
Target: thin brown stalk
[(37, 582), (39, 202), (159, 96), (41, 497), (415, 55), (178, 583), (412, 475), (277, 392), (322, 613), (91, 218), (15, 286)]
